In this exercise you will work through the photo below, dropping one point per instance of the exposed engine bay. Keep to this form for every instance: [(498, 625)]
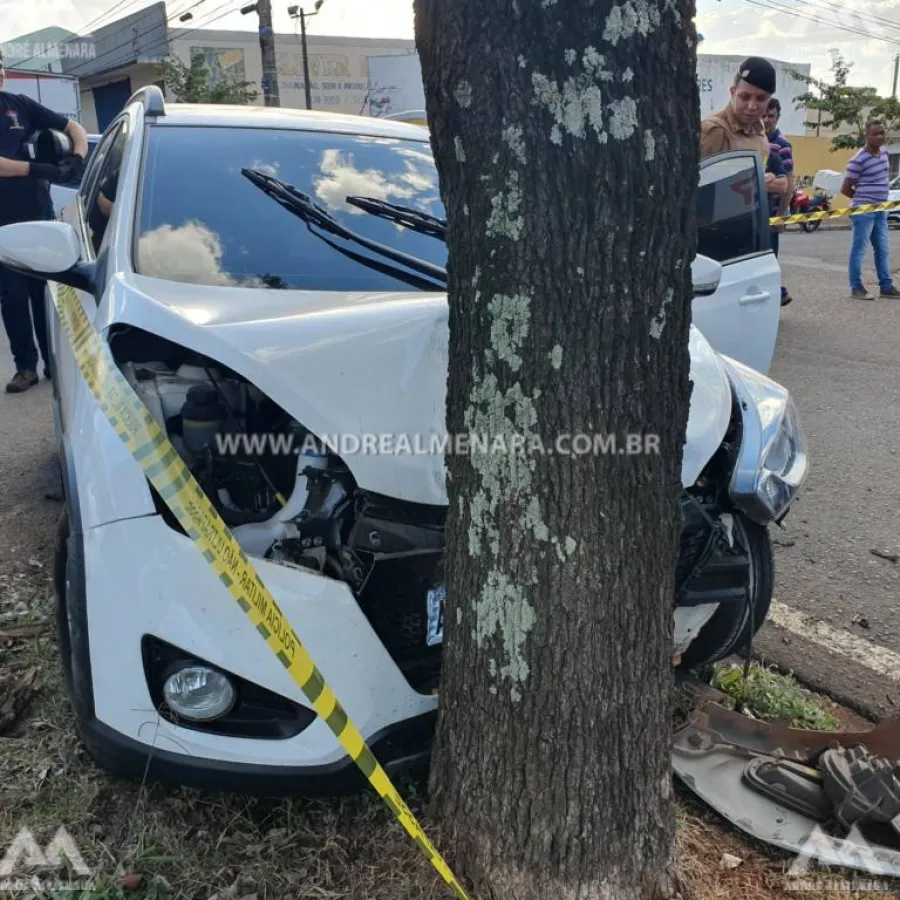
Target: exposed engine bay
[(288, 499)]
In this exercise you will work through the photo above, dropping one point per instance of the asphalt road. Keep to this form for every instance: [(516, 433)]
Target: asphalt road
[(840, 359)]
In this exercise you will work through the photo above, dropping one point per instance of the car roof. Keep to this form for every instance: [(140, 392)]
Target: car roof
[(239, 116)]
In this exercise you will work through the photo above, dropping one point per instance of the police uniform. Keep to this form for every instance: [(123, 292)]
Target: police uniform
[(24, 200), (722, 131)]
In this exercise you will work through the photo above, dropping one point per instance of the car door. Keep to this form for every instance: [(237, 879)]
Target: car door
[(64, 193), (107, 156), (740, 319)]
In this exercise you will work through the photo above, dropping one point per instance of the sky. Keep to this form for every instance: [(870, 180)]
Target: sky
[(867, 31)]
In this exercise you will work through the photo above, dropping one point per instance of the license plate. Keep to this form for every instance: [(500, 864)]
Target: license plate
[(435, 602)]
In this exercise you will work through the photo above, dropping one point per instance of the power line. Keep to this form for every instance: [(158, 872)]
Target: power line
[(135, 37), (831, 5), (818, 21), (141, 34), (84, 27)]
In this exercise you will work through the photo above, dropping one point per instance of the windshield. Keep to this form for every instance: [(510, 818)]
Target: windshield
[(201, 221)]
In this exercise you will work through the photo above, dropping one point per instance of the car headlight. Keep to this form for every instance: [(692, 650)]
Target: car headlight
[(772, 463)]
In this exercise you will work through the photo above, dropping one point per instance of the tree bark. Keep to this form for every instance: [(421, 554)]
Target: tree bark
[(565, 134)]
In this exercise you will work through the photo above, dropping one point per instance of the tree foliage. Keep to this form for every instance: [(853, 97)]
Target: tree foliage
[(194, 83), (845, 107)]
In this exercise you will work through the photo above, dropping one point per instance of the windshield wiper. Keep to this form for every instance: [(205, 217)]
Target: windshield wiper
[(411, 218), (304, 207)]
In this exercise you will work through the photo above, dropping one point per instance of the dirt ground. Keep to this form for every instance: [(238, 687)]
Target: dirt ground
[(146, 842)]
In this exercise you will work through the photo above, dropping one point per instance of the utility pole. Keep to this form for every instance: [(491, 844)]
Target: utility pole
[(896, 65), (267, 50), (296, 12)]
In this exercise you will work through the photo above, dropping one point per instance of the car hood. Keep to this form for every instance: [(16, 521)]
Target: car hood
[(348, 365)]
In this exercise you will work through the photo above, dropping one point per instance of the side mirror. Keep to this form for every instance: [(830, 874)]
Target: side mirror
[(706, 274), (46, 250)]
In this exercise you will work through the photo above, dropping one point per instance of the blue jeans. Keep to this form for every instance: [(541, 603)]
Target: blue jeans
[(870, 227)]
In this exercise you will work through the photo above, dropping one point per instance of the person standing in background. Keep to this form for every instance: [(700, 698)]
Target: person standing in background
[(739, 124), (24, 196), (866, 182), (780, 162)]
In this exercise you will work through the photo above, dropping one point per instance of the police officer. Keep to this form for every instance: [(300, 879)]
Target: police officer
[(23, 198)]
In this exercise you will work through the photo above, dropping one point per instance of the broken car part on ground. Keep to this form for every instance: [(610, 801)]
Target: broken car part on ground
[(830, 797)]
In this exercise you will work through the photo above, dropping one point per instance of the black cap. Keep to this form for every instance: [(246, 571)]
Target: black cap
[(759, 72)]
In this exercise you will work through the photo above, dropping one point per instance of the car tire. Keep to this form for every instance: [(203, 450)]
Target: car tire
[(731, 628), (810, 227)]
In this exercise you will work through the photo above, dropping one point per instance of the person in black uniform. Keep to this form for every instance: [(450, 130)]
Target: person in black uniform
[(24, 197)]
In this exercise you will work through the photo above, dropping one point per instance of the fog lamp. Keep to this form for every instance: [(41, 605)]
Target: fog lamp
[(198, 693)]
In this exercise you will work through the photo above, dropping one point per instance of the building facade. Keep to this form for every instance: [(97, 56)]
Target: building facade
[(128, 53)]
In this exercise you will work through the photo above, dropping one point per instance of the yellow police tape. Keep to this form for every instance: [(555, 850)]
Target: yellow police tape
[(833, 213), (166, 471)]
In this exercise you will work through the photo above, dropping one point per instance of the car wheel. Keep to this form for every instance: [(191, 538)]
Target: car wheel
[(732, 627), (812, 226)]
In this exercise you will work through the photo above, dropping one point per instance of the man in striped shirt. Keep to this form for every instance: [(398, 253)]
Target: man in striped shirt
[(866, 182)]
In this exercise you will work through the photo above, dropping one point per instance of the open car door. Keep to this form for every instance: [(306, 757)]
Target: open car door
[(740, 318)]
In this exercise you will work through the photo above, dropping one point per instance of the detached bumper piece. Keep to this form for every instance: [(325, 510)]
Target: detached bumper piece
[(832, 798)]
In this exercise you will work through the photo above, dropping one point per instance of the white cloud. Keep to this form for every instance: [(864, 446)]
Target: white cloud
[(737, 27)]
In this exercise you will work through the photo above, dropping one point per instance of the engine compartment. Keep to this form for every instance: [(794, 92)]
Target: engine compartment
[(289, 500)]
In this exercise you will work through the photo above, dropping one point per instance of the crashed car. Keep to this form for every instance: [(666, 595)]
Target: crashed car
[(280, 272)]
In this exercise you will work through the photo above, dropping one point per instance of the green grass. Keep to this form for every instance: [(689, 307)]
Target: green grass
[(774, 697)]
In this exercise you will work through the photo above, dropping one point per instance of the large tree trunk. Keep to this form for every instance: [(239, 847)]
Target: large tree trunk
[(565, 133)]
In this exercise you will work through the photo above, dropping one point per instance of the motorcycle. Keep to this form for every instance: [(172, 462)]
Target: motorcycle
[(801, 202)]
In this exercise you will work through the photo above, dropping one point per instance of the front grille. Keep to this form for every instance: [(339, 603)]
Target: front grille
[(694, 538), (394, 601)]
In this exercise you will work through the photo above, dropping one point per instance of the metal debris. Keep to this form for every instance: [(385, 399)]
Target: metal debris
[(836, 792), (862, 788)]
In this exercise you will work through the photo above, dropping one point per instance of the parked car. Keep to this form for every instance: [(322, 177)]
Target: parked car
[(255, 276), (893, 215)]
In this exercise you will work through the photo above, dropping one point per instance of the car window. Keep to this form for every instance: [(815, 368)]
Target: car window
[(728, 209), (95, 163), (101, 187), (201, 221)]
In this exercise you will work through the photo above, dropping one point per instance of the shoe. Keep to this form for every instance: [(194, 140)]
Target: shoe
[(890, 292), (22, 381), (861, 294), (785, 299)]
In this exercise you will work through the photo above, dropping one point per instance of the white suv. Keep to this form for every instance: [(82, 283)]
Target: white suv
[(281, 273)]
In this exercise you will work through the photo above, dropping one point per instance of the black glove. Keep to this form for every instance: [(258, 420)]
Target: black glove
[(75, 164), (69, 168), (45, 172)]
